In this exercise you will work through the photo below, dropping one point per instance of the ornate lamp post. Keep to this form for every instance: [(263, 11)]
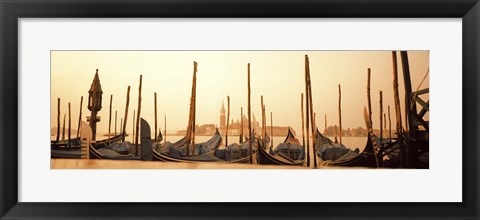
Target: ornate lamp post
[(94, 103)]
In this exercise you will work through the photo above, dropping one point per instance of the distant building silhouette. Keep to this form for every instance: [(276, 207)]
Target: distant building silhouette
[(235, 127), (223, 120)]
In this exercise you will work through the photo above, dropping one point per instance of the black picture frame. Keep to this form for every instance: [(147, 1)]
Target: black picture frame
[(11, 11)]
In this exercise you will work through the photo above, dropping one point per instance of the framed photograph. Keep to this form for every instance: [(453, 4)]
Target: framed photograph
[(225, 109)]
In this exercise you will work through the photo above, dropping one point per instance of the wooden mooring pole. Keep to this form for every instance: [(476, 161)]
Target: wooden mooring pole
[(115, 123), (79, 117), (389, 125), (165, 128), (410, 112), (263, 119), (69, 124), (249, 118), (124, 129), (340, 111), (63, 129), (241, 125), (190, 117), (325, 130), (385, 124), (58, 120), (381, 117), (307, 110), (110, 117), (311, 114), (155, 113), (314, 135), (228, 120), (303, 120), (398, 112), (265, 126), (271, 129), (137, 127), (194, 105), (133, 128), (368, 96)]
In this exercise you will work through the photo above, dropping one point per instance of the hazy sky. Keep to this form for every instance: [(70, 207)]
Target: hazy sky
[(277, 75)]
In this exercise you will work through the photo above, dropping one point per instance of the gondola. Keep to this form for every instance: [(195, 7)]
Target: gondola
[(62, 150), (366, 158), (290, 148), (328, 150), (212, 155), (265, 157), (238, 153), (108, 141), (101, 151), (207, 147)]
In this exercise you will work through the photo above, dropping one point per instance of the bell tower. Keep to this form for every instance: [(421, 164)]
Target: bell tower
[(223, 123), (94, 103)]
